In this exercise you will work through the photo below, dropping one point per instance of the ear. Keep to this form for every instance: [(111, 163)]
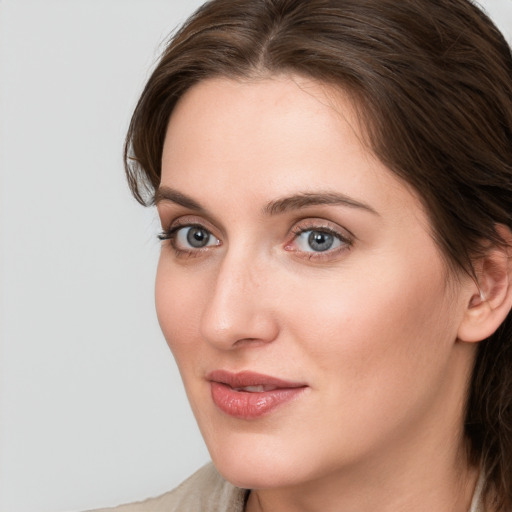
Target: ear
[(491, 297)]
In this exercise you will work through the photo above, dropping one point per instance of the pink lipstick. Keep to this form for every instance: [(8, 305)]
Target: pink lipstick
[(248, 395)]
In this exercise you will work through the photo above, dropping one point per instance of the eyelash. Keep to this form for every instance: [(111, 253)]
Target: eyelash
[(298, 230)]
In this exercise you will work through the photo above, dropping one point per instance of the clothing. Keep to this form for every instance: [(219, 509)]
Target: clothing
[(476, 503), (207, 491), (204, 491)]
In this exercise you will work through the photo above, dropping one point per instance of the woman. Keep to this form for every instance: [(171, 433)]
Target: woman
[(334, 182)]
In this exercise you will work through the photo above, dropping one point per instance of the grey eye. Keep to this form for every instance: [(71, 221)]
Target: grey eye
[(194, 237), (320, 241), (197, 237), (316, 240)]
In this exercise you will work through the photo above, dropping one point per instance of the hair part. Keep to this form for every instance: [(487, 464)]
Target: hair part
[(432, 83)]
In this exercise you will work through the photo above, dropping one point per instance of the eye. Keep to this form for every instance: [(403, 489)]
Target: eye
[(317, 241), (189, 238), (195, 237)]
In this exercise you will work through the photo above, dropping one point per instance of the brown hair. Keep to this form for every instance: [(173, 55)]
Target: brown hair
[(433, 82)]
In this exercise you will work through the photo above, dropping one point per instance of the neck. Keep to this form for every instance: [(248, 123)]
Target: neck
[(384, 487)]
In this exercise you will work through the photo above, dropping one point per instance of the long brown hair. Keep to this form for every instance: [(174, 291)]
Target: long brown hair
[(432, 80)]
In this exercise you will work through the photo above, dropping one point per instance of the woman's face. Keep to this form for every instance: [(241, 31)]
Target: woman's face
[(299, 288)]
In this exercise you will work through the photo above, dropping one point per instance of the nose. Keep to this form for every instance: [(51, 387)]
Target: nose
[(239, 311)]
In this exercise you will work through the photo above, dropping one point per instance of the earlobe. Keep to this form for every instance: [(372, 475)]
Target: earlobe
[(491, 300)]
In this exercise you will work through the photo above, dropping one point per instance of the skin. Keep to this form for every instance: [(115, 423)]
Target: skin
[(370, 325)]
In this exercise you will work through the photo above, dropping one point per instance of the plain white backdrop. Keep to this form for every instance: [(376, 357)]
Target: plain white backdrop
[(92, 411)]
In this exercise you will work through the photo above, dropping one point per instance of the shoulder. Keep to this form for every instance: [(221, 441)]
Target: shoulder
[(205, 490)]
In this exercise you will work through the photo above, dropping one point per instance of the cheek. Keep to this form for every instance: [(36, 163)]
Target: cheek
[(384, 328), (177, 303)]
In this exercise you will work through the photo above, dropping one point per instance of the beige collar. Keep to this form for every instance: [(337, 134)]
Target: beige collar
[(476, 502)]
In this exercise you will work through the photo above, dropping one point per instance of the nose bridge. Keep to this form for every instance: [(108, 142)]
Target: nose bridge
[(239, 306)]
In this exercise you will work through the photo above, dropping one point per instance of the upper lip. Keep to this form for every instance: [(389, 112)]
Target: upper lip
[(247, 378)]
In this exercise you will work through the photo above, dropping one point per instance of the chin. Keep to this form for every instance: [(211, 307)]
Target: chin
[(250, 476), (256, 466)]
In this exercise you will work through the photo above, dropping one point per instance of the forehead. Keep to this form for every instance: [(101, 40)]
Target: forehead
[(219, 115), (271, 137)]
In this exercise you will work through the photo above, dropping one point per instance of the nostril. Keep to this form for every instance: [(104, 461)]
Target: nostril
[(250, 341)]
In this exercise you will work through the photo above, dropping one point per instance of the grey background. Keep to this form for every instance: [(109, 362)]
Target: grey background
[(92, 411)]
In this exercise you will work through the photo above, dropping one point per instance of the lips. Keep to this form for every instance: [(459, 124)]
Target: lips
[(249, 395)]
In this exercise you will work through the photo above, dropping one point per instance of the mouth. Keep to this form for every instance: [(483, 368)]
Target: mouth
[(255, 389), (248, 395)]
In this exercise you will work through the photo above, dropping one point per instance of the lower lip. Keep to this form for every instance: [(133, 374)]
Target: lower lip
[(248, 406)]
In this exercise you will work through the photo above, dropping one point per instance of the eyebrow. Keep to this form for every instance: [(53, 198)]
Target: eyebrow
[(305, 199), (169, 194), (276, 207)]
